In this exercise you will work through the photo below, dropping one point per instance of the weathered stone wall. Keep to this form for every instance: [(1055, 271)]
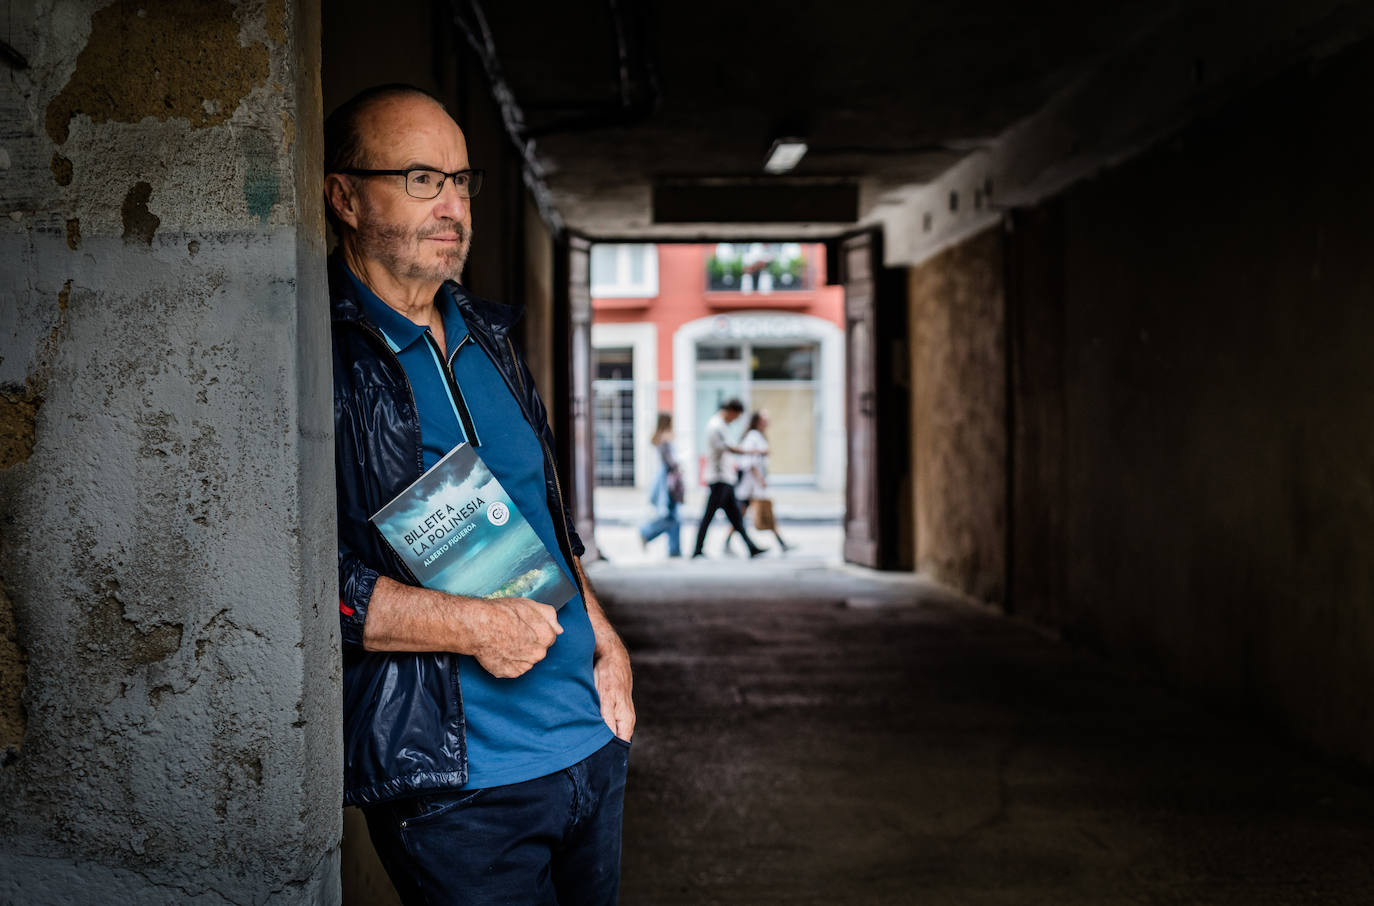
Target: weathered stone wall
[(958, 396), (168, 653)]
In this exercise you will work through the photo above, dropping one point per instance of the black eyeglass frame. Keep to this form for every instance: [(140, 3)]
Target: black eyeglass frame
[(474, 175)]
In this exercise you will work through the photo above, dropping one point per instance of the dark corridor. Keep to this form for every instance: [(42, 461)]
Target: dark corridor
[(910, 747)]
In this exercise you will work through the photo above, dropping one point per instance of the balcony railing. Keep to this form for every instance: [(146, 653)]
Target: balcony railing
[(758, 267)]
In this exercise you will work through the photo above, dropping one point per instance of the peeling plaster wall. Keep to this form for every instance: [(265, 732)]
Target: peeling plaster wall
[(958, 412), (167, 577)]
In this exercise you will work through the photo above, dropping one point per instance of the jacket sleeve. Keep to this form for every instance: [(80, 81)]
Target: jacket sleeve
[(356, 578), (541, 427), (356, 582)]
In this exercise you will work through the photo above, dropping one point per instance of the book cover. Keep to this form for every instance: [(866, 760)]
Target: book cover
[(458, 531)]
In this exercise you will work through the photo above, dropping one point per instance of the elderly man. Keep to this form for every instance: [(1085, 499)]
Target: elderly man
[(485, 740)]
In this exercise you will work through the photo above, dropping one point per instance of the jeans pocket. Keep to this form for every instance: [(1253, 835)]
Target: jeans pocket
[(433, 808)]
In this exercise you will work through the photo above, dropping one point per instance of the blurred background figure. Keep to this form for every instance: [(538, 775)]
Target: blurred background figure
[(666, 493), (721, 476), (752, 487)]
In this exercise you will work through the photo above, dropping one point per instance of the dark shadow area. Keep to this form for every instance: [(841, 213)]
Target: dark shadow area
[(913, 748)]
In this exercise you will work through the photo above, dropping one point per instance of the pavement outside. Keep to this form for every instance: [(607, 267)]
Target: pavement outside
[(810, 520), (815, 733)]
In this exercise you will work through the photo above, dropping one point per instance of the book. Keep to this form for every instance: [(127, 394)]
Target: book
[(458, 531)]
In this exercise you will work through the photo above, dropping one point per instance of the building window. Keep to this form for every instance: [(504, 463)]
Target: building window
[(624, 270), (613, 421), (761, 267)]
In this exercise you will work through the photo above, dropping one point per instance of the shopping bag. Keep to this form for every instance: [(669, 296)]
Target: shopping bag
[(761, 511)]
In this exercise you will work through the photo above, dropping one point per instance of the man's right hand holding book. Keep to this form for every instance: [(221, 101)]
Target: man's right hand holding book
[(507, 636)]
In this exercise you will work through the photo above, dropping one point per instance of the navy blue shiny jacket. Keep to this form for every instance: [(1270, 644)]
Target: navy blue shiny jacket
[(402, 713)]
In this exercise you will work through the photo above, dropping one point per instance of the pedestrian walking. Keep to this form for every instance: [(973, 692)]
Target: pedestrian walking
[(667, 491), (720, 477), (752, 489)]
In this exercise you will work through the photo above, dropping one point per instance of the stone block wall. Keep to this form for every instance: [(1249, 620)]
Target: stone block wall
[(958, 393)]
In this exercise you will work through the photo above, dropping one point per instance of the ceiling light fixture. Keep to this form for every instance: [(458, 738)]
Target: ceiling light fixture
[(785, 154)]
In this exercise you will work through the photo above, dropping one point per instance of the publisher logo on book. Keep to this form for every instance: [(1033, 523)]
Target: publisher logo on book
[(498, 513)]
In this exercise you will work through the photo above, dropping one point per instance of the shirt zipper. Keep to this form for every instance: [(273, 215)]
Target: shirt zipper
[(464, 416)]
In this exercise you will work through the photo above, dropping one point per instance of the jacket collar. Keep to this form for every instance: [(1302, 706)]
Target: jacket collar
[(491, 317)]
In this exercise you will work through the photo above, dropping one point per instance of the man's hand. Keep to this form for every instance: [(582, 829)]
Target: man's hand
[(611, 673), (610, 666), (508, 636), (514, 634)]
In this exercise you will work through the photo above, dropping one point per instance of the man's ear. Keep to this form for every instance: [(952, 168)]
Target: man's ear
[(341, 196)]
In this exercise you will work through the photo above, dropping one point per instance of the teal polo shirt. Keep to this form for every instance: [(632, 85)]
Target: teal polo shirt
[(550, 717)]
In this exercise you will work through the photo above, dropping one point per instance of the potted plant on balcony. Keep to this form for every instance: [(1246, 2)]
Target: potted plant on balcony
[(788, 273), (723, 273)]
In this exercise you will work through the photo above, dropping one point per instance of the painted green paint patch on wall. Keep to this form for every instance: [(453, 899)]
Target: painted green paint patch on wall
[(261, 187)]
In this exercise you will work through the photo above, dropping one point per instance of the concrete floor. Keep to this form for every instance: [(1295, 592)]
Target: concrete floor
[(908, 747)]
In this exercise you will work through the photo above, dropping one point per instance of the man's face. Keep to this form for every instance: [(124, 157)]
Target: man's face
[(413, 238), (729, 415)]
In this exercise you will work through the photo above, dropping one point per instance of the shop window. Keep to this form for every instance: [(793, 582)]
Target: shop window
[(613, 417), (784, 363)]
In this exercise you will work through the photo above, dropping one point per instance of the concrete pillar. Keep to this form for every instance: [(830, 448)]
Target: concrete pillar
[(169, 713)]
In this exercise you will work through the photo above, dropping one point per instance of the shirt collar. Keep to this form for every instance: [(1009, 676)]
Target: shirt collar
[(399, 330), (455, 328)]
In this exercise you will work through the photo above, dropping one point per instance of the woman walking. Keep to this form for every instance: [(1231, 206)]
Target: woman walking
[(667, 490), (753, 482)]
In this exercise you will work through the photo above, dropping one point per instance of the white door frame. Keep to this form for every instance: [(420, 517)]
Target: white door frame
[(770, 326)]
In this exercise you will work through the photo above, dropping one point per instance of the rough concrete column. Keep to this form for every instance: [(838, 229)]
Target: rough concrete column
[(958, 408), (169, 713)]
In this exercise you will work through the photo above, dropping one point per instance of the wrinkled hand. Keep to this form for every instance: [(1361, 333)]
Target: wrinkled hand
[(611, 674), (515, 635)]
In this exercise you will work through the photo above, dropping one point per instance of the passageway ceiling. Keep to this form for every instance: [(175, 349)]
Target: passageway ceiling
[(891, 98)]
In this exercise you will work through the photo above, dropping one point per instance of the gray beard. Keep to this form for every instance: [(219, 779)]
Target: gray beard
[(390, 244)]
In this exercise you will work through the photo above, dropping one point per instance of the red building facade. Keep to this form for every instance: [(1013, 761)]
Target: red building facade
[(681, 328)]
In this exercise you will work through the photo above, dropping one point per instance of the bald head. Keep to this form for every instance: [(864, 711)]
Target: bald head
[(344, 143)]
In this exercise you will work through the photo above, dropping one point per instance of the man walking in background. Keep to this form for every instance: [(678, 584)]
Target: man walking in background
[(485, 740), (719, 477)]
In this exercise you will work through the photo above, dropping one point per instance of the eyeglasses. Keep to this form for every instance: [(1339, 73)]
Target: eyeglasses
[(425, 184)]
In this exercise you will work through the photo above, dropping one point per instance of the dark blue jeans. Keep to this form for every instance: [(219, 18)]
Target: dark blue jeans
[(551, 841)]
